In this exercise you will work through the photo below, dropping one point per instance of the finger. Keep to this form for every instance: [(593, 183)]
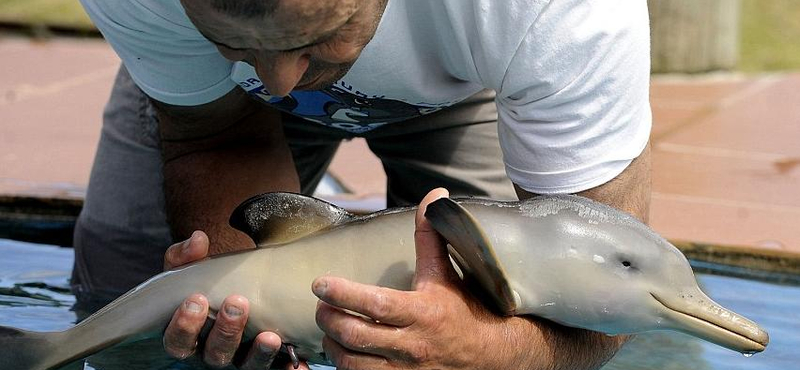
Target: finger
[(180, 337), (265, 347), (433, 261), (358, 334), (303, 366), (345, 359), (386, 305), (190, 250), (225, 336), (433, 195)]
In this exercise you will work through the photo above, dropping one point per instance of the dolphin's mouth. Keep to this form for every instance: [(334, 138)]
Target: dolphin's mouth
[(718, 325)]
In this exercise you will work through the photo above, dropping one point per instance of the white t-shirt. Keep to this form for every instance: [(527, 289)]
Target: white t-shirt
[(571, 76)]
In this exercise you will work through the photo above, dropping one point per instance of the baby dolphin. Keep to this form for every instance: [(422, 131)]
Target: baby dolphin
[(564, 258)]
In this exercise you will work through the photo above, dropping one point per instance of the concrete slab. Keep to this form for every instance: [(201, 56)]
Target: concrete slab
[(678, 101), (721, 174), (725, 222), (359, 170), (729, 171), (764, 118), (51, 99)]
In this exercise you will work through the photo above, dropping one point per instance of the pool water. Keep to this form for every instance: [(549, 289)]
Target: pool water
[(34, 295)]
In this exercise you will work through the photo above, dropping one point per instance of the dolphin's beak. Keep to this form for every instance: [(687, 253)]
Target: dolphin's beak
[(697, 315)]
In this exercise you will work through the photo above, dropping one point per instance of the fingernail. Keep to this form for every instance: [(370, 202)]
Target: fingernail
[(192, 307), (186, 243), (320, 287), (233, 311), (184, 355), (267, 350)]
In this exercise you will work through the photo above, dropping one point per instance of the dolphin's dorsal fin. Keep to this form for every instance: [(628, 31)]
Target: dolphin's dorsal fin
[(278, 218), (472, 251)]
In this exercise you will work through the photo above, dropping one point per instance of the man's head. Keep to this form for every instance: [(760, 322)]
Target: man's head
[(293, 44)]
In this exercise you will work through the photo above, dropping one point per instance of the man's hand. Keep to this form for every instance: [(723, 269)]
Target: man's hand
[(437, 325), (182, 335)]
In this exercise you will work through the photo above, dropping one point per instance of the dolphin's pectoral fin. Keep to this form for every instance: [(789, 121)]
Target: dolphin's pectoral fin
[(472, 251), (278, 218)]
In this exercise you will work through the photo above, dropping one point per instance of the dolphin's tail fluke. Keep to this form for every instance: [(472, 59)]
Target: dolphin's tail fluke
[(26, 350)]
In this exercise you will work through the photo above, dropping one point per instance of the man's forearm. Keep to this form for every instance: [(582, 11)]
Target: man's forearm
[(206, 177), (549, 346), (203, 188)]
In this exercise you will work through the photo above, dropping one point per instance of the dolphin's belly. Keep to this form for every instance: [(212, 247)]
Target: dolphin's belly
[(378, 252)]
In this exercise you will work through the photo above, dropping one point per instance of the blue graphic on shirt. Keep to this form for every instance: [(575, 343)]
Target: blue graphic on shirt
[(340, 108)]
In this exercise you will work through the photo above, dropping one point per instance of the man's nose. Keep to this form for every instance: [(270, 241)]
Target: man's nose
[(281, 72)]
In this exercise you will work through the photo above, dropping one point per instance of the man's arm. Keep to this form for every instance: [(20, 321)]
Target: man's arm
[(629, 191), (215, 156), (439, 325)]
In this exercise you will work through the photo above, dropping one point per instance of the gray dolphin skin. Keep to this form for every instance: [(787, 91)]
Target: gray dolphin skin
[(563, 258)]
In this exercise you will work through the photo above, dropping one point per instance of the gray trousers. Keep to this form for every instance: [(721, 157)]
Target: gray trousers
[(122, 232)]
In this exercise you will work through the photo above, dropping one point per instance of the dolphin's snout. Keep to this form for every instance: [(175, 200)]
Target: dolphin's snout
[(696, 314)]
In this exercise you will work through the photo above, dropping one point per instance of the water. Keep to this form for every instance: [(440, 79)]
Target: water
[(34, 295), (34, 288)]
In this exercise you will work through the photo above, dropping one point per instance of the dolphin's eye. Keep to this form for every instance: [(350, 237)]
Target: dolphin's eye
[(627, 262)]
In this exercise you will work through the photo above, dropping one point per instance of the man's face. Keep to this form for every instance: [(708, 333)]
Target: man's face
[(301, 45)]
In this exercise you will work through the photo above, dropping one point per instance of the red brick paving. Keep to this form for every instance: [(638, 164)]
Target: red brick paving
[(726, 148)]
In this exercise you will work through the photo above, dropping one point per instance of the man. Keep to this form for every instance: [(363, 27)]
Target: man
[(414, 79)]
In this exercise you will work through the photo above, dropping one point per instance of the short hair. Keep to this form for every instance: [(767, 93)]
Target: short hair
[(245, 8)]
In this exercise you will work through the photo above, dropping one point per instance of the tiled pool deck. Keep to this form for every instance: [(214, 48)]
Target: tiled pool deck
[(726, 148)]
